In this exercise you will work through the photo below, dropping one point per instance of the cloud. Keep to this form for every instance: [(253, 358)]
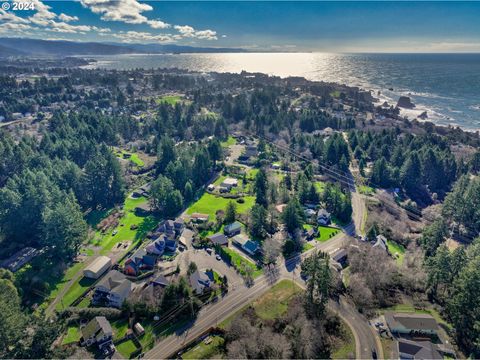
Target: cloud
[(43, 19), (127, 11), (67, 18), (136, 36), (187, 31)]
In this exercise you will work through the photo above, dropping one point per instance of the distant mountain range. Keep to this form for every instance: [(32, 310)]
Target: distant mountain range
[(36, 47)]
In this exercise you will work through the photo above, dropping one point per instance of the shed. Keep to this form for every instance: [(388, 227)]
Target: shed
[(98, 267), (138, 328)]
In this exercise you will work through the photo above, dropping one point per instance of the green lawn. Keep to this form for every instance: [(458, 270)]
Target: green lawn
[(134, 158), (169, 99), (75, 291), (209, 204), (366, 190), (324, 232), (229, 142), (397, 250), (251, 173), (240, 262), (124, 231), (307, 247), (73, 335), (320, 186), (274, 303), (335, 94), (346, 348), (203, 351), (126, 348)]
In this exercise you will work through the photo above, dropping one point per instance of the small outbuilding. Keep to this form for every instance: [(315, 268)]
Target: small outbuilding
[(98, 267)]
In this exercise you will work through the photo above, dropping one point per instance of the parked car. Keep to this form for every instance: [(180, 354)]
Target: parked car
[(218, 257)]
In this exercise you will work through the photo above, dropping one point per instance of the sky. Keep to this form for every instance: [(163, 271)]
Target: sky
[(341, 26)]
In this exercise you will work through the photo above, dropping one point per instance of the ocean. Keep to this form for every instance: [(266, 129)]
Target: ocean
[(447, 86)]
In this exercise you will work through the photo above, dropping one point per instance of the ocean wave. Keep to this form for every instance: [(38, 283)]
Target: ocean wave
[(474, 107)]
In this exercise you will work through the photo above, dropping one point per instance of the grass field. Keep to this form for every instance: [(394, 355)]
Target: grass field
[(229, 142), (203, 351), (345, 349), (209, 204), (320, 186), (396, 250), (134, 158), (169, 99), (366, 190), (126, 348), (307, 247), (124, 232), (73, 335), (75, 291), (324, 232), (239, 262), (274, 303)]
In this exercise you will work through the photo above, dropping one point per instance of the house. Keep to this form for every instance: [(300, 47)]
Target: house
[(199, 280), (408, 349), (381, 242), (199, 218), (232, 229), (340, 256), (19, 259), (249, 246), (98, 331), (218, 239), (112, 290), (251, 151), (171, 245), (98, 267), (311, 233), (229, 183), (145, 190), (323, 217), (156, 247), (139, 261), (309, 213), (411, 323), (161, 281)]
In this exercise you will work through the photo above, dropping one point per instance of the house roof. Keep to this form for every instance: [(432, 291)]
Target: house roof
[(199, 280), (419, 349), (218, 239), (240, 239), (98, 264), (199, 216), (323, 213), (381, 242), (99, 325), (232, 227), (20, 258), (251, 246), (230, 181), (339, 255), (160, 280), (411, 321)]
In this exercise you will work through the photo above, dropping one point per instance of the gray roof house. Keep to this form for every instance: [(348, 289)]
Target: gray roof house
[(381, 242), (407, 323), (408, 349), (113, 289), (323, 217), (97, 331), (232, 229), (199, 280), (218, 239)]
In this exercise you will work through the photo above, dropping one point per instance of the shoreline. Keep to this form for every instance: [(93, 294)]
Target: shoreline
[(435, 117)]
